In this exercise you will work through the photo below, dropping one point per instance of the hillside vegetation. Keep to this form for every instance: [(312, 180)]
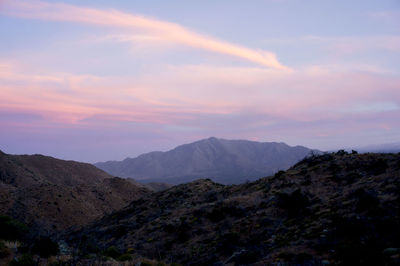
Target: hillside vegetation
[(337, 209), (50, 195)]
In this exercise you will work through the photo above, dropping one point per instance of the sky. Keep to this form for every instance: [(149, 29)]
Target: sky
[(96, 80)]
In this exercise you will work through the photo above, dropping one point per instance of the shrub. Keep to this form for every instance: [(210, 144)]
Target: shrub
[(341, 152), (227, 243), (12, 229), (365, 201), (146, 263), (4, 252), (248, 257), (45, 247), (125, 257), (220, 212), (334, 168), (294, 202), (296, 259), (24, 260), (303, 258), (352, 177), (279, 174), (88, 245), (183, 232), (378, 166), (112, 252)]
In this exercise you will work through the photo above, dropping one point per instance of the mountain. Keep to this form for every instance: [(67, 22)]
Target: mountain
[(151, 186), (384, 148), (49, 194), (224, 161), (331, 209)]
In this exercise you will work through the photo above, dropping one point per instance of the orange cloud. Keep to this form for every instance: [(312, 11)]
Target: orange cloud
[(162, 30)]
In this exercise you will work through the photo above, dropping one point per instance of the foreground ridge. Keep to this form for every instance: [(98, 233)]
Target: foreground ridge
[(335, 208)]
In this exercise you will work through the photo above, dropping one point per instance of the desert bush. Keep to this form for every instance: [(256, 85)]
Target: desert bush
[(152, 263), (24, 260), (279, 174), (4, 252), (359, 254), (211, 196), (183, 231), (227, 243), (112, 252), (88, 245), (45, 247), (306, 181), (125, 257), (303, 258), (248, 257), (12, 229), (294, 203), (341, 152), (352, 177), (378, 166), (296, 259), (220, 212), (334, 168), (365, 201)]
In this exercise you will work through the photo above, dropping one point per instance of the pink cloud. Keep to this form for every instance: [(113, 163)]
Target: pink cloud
[(162, 30), (181, 94)]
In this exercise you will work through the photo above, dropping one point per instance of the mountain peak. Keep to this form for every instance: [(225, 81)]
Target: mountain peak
[(221, 160), (207, 140)]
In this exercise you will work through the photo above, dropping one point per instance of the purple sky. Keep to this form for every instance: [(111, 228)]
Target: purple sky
[(103, 80)]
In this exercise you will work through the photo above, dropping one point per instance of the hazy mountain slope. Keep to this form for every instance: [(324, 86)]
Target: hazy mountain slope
[(51, 194), (224, 161), (336, 209), (384, 148), (155, 187)]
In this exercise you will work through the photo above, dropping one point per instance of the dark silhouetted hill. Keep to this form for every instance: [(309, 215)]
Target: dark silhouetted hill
[(331, 209), (49, 194)]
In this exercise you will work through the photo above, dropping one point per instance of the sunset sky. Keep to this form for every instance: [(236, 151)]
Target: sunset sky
[(95, 80)]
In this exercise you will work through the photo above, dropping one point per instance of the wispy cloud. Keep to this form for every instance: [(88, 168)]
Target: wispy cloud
[(310, 105), (161, 30), (353, 44), (181, 93)]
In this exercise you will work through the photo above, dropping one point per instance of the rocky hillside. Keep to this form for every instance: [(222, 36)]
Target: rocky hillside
[(223, 161), (50, 195), (336, 209)]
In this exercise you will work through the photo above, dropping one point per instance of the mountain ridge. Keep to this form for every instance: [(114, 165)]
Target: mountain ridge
[(52, 194), (224, 161), (331, 209)]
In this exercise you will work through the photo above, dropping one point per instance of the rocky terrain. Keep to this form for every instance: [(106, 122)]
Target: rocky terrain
[(332, 209), (50, 195), (223, 161)]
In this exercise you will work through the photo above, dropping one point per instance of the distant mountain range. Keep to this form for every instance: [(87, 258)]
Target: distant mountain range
[(223, 161), (315, 213), (381, 148), (51, 194)]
